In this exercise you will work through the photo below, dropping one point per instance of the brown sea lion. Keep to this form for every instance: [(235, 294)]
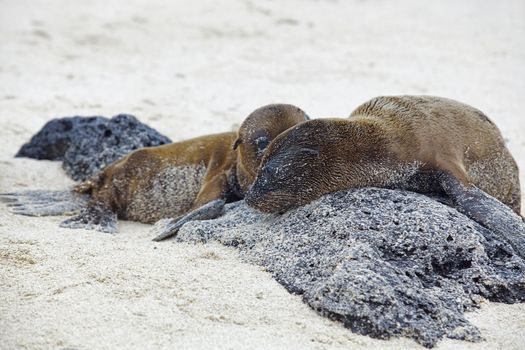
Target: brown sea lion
[(183, 181), (420, 143)]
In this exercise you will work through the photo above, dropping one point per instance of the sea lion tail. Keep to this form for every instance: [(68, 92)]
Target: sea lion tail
[(44, 202)]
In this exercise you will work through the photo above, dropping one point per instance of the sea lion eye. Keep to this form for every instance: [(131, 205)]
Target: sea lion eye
[(309, 151), (262, 142)]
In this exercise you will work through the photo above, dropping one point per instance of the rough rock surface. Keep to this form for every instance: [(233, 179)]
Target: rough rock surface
[(385, 263), (88, 144)]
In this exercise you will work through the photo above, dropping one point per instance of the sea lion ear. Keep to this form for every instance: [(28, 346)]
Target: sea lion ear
[(237, 143)]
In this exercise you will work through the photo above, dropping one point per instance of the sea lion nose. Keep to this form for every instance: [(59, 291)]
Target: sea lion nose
[(257, 191), (264, 185)]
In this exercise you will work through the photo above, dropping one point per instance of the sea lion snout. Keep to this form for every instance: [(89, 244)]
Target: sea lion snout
[(261, 192), (270, 191), (279, 185), (268, 201)]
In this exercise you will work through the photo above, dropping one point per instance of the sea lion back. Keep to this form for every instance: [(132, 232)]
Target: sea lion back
[(451, 136)]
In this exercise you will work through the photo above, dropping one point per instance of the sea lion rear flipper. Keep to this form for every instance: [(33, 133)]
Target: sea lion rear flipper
[(93, 217), (166, 228), (487, 211), (44, 202)]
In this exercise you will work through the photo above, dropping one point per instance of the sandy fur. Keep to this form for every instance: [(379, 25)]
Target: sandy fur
[(171, 194)]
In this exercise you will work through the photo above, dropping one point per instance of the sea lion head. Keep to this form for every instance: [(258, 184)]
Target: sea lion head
[(300, 165), (260, 128)]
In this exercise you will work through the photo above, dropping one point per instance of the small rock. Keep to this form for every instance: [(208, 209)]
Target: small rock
[(85, 145)]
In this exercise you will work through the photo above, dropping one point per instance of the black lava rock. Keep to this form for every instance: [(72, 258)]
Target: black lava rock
[(383, 262), (88, 144)]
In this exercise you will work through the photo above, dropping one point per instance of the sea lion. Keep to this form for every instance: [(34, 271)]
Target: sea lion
[(184, 180), (420, 143)]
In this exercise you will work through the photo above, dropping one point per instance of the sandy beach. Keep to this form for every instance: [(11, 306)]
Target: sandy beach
[(189, 69)]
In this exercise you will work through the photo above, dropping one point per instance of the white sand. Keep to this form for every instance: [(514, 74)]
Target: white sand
[(201, 68)]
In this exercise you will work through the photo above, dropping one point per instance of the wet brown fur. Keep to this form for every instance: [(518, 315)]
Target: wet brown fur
[(146, 186), (395, 142)]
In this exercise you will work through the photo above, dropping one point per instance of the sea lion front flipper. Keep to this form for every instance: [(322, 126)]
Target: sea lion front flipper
[(487, 211), (93, 217), (44, 202), (166, 228)]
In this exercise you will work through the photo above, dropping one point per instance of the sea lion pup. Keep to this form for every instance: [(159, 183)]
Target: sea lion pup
[(420, 143), (194, 177)]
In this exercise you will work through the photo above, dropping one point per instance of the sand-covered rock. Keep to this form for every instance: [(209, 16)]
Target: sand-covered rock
[(88, 144), (385, 263)]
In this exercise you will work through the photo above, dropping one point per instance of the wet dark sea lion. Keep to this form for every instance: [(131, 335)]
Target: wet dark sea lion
[(420, 143), (194, 177)]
